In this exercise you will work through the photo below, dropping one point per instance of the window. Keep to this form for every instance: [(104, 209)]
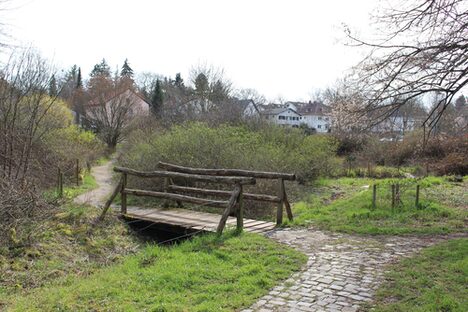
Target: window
[(319, 126), (320, 118), (281, 117)]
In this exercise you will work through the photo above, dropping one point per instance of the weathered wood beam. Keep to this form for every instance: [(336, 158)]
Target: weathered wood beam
[(232, 203), (228, 172), (108, 203), (194, 177), (178, 197), (247, 196)]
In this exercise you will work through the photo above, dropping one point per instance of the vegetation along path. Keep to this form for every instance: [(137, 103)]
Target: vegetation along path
[(342, 273), (103, 176)]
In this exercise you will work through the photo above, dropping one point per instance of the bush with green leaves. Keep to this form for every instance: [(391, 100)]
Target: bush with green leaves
[(270, 148), (266, 148)]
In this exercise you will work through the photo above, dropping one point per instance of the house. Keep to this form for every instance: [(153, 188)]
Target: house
[(128, 100), (400, 121), (285, 116), (315, 115), (248, 108)]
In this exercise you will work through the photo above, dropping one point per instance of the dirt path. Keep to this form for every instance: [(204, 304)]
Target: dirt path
[(343, 271), (103, 176)]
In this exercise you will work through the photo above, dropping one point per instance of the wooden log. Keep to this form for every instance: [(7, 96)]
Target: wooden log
[(232, 202), (279, 211), (123, 194), (175, 197), (195, 177), (221, 193), (417, 196), (374, 196), (108, 203), (228, 172), (286, 204), (77, 172), (240, 210)]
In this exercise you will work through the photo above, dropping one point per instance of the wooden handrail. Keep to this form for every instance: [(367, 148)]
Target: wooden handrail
[(188, 199), (227, 172), (247, 196), (194, 177)]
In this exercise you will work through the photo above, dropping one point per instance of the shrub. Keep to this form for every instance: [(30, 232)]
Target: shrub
[(266, 148)]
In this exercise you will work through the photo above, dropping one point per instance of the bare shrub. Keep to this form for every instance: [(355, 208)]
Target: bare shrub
[(21, 213)]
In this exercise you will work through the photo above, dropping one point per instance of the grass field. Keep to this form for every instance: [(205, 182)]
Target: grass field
[(208, 273), (434, 280), (345, 205)]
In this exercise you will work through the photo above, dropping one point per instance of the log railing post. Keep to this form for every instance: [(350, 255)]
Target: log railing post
[(374, 196), (59, 182), (286, 203), (77, 172), (279, 211), (393, 197), (123, 195), (240, 210), (231, 204), (417, 196)]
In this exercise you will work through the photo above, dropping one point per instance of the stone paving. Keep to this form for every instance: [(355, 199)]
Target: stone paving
[(342, 273)]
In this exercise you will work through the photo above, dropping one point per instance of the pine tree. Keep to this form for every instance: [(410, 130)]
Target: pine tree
[(157, 99), (53, 86), (101, 69), (179, 82), (79, 81), (126, 71)]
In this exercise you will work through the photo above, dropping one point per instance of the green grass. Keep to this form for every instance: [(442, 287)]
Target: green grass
[(434, 280), (65, 246), (344, 205), (208, 273), (72, 190)]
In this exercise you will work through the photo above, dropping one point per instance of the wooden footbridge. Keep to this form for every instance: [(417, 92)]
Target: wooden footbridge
[(232, 203)]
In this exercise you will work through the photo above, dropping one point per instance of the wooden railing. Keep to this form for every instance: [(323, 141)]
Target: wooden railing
[(281, 198), (235, 203)]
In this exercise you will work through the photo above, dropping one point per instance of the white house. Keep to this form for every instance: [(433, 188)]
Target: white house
[(249, 108), (285, 116), (315, 115)]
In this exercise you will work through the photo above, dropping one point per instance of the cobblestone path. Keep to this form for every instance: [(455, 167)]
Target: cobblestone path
[(343, 271)]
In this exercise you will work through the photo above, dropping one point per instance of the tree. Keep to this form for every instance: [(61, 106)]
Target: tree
[(111, 109), (79, 79), (460, 102), (126, 70), (179, 82), (26, 111), (422, 51), (53, 86), (157, 99), (101, 69)]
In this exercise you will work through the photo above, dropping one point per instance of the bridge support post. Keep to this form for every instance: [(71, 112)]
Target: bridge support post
[(123, 195), (240, 210), (279, 212)]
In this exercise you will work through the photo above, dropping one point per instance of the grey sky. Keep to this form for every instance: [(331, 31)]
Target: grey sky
[(281, 48)]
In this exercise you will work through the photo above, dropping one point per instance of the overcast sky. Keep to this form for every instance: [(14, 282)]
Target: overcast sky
[(281, 48)]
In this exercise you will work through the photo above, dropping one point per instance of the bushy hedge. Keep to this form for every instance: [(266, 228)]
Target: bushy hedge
[(267, 148), (270, 148)]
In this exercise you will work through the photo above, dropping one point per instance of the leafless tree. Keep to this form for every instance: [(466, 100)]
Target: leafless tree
[(112, 108), (423, 50), (25, 109), (250, 94)]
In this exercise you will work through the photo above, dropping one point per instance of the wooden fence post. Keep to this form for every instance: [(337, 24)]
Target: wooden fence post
[(286, 203), (60, 183), (279, 212), (240, 210), (374, 196), (77, 172), (417, 196), (393, 197), (397, 195), (123, 196)]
